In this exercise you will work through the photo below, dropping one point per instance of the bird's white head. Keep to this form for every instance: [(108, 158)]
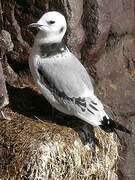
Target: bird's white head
[(52, 27)]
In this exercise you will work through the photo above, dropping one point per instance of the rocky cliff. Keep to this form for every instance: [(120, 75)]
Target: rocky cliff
[(32, 144)]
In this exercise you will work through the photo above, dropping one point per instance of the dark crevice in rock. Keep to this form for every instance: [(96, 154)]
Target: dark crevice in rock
[(90, 22), (17, 66), (113, 39), (1, 17)]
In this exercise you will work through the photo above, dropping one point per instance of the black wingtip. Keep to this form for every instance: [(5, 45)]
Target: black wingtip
[(109, 125)]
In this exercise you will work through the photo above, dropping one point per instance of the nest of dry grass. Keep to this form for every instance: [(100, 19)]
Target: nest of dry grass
[(41, 150)]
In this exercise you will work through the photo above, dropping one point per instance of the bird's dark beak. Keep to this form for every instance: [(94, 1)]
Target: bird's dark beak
[(33, 25)]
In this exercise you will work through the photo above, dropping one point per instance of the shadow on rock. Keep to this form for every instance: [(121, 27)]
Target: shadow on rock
[(28, 102)]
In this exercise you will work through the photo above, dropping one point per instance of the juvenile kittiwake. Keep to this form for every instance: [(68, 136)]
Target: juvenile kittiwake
[(61, 77)]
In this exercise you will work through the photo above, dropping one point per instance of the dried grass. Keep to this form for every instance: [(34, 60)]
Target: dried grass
[(40, 150)]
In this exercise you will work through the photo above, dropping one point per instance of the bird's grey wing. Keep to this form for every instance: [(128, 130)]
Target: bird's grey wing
[(63, 82), (82, 72), (68, 87)]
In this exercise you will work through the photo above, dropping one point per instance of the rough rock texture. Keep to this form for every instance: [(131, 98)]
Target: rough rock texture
[(101, 34), (116, 86), (116, 75), (6, 45)]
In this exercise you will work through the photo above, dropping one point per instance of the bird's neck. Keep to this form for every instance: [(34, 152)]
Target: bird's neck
[(52, 49), (49, 49), (48, 46), (43, 38)]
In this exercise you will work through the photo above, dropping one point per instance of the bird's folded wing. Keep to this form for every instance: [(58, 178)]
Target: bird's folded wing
[(70, 90), (63, 82)]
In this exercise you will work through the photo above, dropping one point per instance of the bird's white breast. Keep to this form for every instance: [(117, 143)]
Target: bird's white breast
[(34, 61)]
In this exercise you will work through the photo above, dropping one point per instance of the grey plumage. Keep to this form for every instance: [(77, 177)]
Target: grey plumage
[(61, 77)]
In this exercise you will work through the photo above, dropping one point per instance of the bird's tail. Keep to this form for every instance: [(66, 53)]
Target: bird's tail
[(110, 125)]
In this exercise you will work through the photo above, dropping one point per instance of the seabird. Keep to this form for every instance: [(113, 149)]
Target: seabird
[(61, 77)]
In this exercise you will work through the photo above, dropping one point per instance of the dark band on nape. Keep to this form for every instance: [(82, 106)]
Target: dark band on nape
[(51, 49)]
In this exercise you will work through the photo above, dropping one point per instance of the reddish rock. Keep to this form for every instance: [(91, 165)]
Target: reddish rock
[(6, 45), (104, 20), (101, 34), (116, 86)]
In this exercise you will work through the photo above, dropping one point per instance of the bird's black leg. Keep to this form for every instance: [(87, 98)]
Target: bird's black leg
[(87, 136), (85, 130)]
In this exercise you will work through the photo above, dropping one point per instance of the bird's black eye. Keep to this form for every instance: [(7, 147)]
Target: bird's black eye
[(51, 22)]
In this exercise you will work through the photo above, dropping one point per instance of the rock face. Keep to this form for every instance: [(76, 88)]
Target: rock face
[(101, 34), (6, 45), (116, 85)]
